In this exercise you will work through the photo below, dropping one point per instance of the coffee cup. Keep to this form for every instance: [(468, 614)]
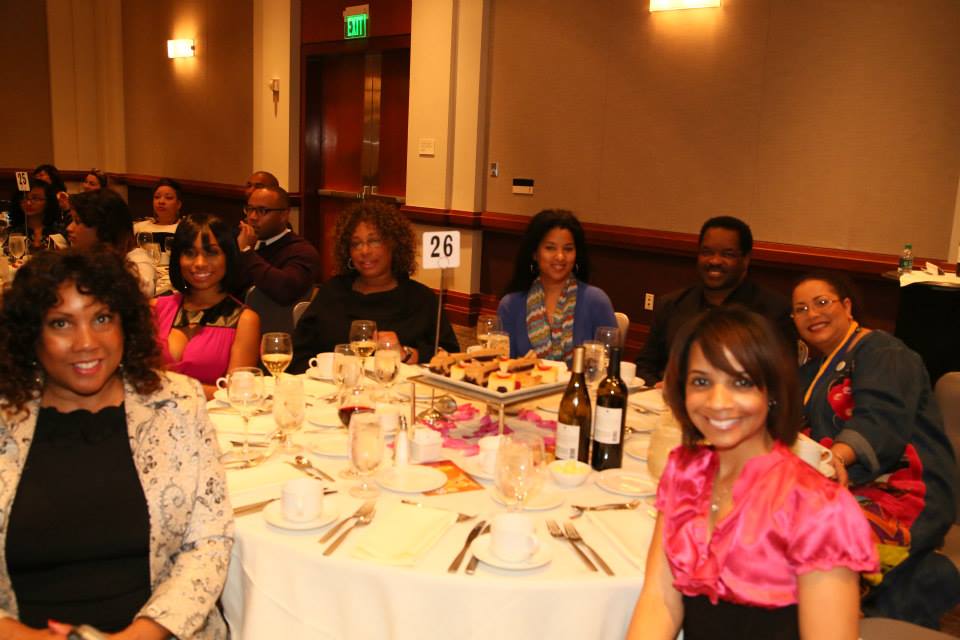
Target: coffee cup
[(512, 537), (302, 499), (487, 458), (628, 371), (323, 363), (811, 451)]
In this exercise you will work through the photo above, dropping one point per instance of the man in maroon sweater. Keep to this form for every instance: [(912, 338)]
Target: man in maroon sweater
[(279, 262)]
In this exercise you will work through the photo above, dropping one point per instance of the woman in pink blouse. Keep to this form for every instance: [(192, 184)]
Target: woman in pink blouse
[(750, 542)]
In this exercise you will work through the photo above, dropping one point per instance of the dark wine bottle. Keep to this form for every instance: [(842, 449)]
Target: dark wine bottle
[(573, 422), (609, 420)]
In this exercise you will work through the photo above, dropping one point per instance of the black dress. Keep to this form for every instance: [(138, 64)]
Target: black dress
[(79, 533)]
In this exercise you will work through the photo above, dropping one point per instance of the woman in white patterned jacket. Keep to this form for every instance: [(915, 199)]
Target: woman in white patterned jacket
[(113, 506)]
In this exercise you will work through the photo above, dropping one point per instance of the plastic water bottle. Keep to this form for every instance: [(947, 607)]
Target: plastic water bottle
[(906, 260)]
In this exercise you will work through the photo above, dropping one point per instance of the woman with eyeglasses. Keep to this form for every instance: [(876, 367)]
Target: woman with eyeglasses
[(42, 219), (375, 256), (867, 397)]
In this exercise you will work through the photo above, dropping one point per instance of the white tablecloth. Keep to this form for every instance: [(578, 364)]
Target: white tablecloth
[(281, 586)]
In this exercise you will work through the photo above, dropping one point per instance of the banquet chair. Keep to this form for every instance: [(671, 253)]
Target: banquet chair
[(273, 316), (298, 310), (890, 629), (623, 323), (927, 321)]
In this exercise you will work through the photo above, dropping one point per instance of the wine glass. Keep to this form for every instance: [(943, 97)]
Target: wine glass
[(276, 352), (386, 362), (245, 393), (354, 399), (366, 451), (486, 324), (594, 367), (363, 341), (17, 245), (608, 336), (519, 468), (289, 407), (499, 341)]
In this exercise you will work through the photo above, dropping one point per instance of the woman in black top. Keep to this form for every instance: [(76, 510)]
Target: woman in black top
[(375, 256)]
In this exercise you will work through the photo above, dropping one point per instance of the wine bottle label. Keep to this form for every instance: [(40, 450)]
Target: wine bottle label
[(606, 425), (568, 441)]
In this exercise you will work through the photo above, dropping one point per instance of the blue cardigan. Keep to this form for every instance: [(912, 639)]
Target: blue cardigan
[(593, 310)]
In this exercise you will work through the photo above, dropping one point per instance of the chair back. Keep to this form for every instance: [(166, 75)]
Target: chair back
[(947, 392), (623, 323), (273, 316), (298, 310), (927, 321)]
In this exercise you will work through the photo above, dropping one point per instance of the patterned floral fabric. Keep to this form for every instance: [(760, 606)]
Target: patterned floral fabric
[(176, 455), (552, 338)]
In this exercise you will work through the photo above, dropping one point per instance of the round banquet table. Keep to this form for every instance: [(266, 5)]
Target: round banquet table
[(281, 585)]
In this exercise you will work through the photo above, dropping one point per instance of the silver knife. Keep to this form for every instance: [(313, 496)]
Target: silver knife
[(466, 545), (260, 506), (474, 560)]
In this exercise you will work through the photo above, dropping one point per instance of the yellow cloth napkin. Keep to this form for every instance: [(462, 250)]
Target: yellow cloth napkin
[(400, 533), (629, 530)]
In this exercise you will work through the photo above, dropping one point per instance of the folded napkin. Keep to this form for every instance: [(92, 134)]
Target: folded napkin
[(630, 531), (400, 533), (262, 427)]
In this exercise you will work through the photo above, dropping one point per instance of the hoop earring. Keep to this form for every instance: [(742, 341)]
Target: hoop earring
[(350, 265), (576, 267), (533, 268)]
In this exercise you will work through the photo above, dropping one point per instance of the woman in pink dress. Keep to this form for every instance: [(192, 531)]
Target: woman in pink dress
[(205, 332), (750, 541)]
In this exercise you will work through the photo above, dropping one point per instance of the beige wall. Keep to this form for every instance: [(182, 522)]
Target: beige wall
[(189, 117), (25, 106), (834, 124)]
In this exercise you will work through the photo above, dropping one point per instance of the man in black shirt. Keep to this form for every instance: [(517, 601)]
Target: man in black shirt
[(722, 262)]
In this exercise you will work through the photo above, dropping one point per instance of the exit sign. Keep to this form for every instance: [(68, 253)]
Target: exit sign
[(355, 21)]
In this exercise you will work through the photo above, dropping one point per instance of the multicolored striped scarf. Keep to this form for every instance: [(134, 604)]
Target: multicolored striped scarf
[(552, 338)]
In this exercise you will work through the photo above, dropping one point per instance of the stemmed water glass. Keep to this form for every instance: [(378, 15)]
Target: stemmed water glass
[(519, 468), (499, 341), (366, 452), (363, 341), (594, 366), (289, 407), (608, 336), (245, 393), (17, 245), (144, 238), (276, 352), (386, 362), (485, 325), (345, 369)]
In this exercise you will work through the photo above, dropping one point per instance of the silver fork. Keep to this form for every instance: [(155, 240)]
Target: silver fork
[(461, 517), (364, 509), (556, 532), (362, 521), (633, 504), (574, 536)]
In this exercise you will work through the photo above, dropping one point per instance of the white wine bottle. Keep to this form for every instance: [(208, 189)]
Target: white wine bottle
[(573, 422), (609, 420)]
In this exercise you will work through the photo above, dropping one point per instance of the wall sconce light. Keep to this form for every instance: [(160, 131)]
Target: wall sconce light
[(670, 5), (181, 49)]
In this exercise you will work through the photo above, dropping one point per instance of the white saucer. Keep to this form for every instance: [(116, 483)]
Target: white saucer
[(273, 514), (314, 374), (481, 549), (471, 466), (411, 478), (331, 445), (637, 448), (545, 500), (626, 483), (323, 416)]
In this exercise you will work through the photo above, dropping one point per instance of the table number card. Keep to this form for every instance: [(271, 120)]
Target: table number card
[(23, 182)]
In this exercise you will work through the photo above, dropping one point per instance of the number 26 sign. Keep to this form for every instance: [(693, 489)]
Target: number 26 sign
[(441, 249)]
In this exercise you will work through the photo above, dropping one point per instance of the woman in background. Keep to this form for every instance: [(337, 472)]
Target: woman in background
[(166, 216), (95, 179), (42, 218), (375, 256), (204, 331), (102, 217), (750, 540), (549, 307), (868, 397), (115, 512)]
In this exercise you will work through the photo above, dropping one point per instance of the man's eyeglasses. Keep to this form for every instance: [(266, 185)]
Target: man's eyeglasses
[(819, 304), (261, 211)]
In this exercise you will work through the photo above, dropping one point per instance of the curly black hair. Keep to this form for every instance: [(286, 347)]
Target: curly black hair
[(35, 290), (394, 228), (106, 212), (525, 267)]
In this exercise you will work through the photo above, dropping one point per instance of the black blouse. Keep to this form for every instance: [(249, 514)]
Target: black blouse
[(79, 531)]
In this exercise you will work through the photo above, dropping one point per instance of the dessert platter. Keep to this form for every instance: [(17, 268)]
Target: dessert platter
[(485, 375)]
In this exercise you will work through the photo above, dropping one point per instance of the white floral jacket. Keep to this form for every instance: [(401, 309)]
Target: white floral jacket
[(176, 455)]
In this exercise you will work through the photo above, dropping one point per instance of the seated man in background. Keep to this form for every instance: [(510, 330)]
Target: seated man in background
[(722, 262), (277, 261), (258, 180)]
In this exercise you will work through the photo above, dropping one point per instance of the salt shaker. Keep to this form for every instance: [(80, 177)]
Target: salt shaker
[(401, 445)]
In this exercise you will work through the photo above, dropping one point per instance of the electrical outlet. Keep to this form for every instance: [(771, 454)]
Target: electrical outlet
[(648, 301)]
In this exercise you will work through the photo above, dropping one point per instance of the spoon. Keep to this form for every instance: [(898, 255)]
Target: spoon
[(302, 461)]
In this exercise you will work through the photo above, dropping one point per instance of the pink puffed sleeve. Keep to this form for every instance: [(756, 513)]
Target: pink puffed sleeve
[(829, 530)]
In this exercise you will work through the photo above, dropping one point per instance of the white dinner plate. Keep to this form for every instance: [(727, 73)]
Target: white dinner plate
[(324, 415), (332, 445), (273, 514), (482, 549), (411, 478), (626, 483), (544, 500), (472, 466), (637, 448)]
